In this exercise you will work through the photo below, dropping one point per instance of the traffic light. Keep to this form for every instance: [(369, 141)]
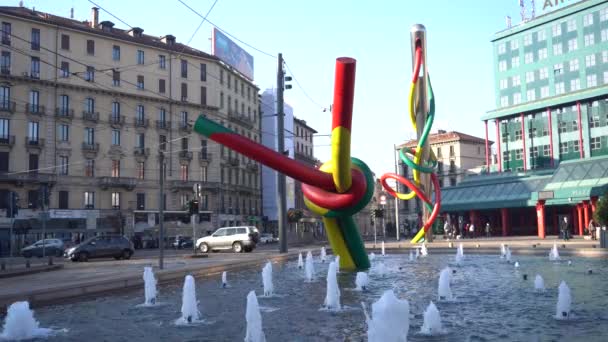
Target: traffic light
[(193, 207), (288, 79)]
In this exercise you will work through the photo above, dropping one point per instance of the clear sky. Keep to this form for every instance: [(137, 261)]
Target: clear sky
[(311, 34)]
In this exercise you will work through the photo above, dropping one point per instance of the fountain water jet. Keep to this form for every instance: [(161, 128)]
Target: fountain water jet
[(224, 280), (190, 313), (323, 254), (309, 267), (539, 283), (254, 320), (417, 253), (20, 324), (411, 256), (381, 269), (432, 321), (383, 248), (508, 254), (516, 264), (332, 298), (554, 254), (362, 281), (389, 321), (503, 251), (149, 286), (337, 260), (564, 302), (459, 254), (300, 261), (423, 250), (267, 279), (372, 256), (444, 291)]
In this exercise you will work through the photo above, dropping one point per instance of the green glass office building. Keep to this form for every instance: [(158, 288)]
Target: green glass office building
[(551, 126)]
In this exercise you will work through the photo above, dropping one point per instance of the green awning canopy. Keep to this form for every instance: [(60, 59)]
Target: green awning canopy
[(576, 180)]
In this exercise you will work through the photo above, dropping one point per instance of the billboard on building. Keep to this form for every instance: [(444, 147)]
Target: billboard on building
[(232, 54), (546, 6)]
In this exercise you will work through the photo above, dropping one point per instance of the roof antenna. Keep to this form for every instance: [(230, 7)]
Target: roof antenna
[(533, 10), (522, 7), (72, 13), (21, 3)]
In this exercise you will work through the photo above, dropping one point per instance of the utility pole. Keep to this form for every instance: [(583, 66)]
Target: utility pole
[(197, 189), (161, 210), (396, 189), (281, 149), (44, 203)]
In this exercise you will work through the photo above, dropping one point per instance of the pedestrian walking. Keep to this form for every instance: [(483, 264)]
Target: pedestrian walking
[(472, 230), (591, 229), (488, 229), (565, 229)]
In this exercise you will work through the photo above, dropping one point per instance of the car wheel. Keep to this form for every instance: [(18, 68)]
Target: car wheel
[(126, 254), (83, 256), (237, 247), (204, 248), (248, 249)]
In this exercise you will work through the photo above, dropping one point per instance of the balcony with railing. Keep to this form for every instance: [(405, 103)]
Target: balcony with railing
[(204, 156), (116, 121), (139, 122), (185, 155), (184, 127), (90, 116), (34, 142), (7, 140), (90, 147), (239, 118), (127, 183), (35, 109), (252, 166), (20, 179), (161, 124), (233, 161), (177, 185), (7, 106), (64, 113), (141, 152), (306, 158), (5, 70)]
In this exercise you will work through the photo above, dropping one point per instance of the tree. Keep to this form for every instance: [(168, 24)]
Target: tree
[(601, 211)]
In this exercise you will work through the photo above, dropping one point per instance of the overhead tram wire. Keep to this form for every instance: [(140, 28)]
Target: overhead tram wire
[(302, 88), (228, 34)]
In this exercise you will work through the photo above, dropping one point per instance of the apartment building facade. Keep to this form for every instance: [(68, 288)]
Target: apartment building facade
[(551, 89), (86, 109)]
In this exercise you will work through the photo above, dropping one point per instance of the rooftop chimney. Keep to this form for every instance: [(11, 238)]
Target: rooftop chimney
[(168, 39), (21, 3), (72, 13), (136, 32), (441, 131), (94, 17)]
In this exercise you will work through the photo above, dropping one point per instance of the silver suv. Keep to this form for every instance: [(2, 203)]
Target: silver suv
[(238, 239)]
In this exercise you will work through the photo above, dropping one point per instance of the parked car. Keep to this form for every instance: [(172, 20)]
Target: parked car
[(267, 238), (118, 247), (182, 242), (238, 239), (52, 247)]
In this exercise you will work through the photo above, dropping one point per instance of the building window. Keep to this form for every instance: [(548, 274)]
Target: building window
[(116, 200), (544, 92), (558, 49), (588, 19), (6, 33), (605, 77), (204, 173), (572, 45), (140, 140), (90, 47), (596, 143), (529, 57), (541, 36), (591, 81), (5, 63), (590, 60), (604, 14), (594, 121), (563, 147), (558, 69), (516, 98), (575, 84), (518, 134), (140, 114), (516, 81), (531, 95), (89, 135), (63, 200), (65, 69), (116, 78), (89, 168), (116, 52), (64, 132), (115, 168), (529, 76), (141, 201), (140, 57), (35, 68), (502, 66), (604, 56), (514, 62), (203, 72), (34, 104), (63, 165), (203, 96), (115, 137), (5, 97), (575, 146), (35, 43), (562, 127), (183, 173), (543, 73), (556, 30), (559, 88), (504, 101), (528, 40), (184, 68), (534, 152), (589, 39), (452, 153), (183, 119), (89, 105), (162, 141), (542, 54), (32, 199), (573, 65), (33, 131), (519, 154), (115, 111), (140, 82), (184, 91), (502, 48), (65, 42), (546, 150), (89, 200), (571, 25), (162, 61), (503, 84), (161, 86), (604, 35)]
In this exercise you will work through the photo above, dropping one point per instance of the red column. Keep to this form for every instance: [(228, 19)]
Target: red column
[(574, 218), (523, 139), (586, 213), (579, 213), (580, 130), (540, 218), (550, 136), (487, 149), (593, 204), (504, 216), (498, 141)]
